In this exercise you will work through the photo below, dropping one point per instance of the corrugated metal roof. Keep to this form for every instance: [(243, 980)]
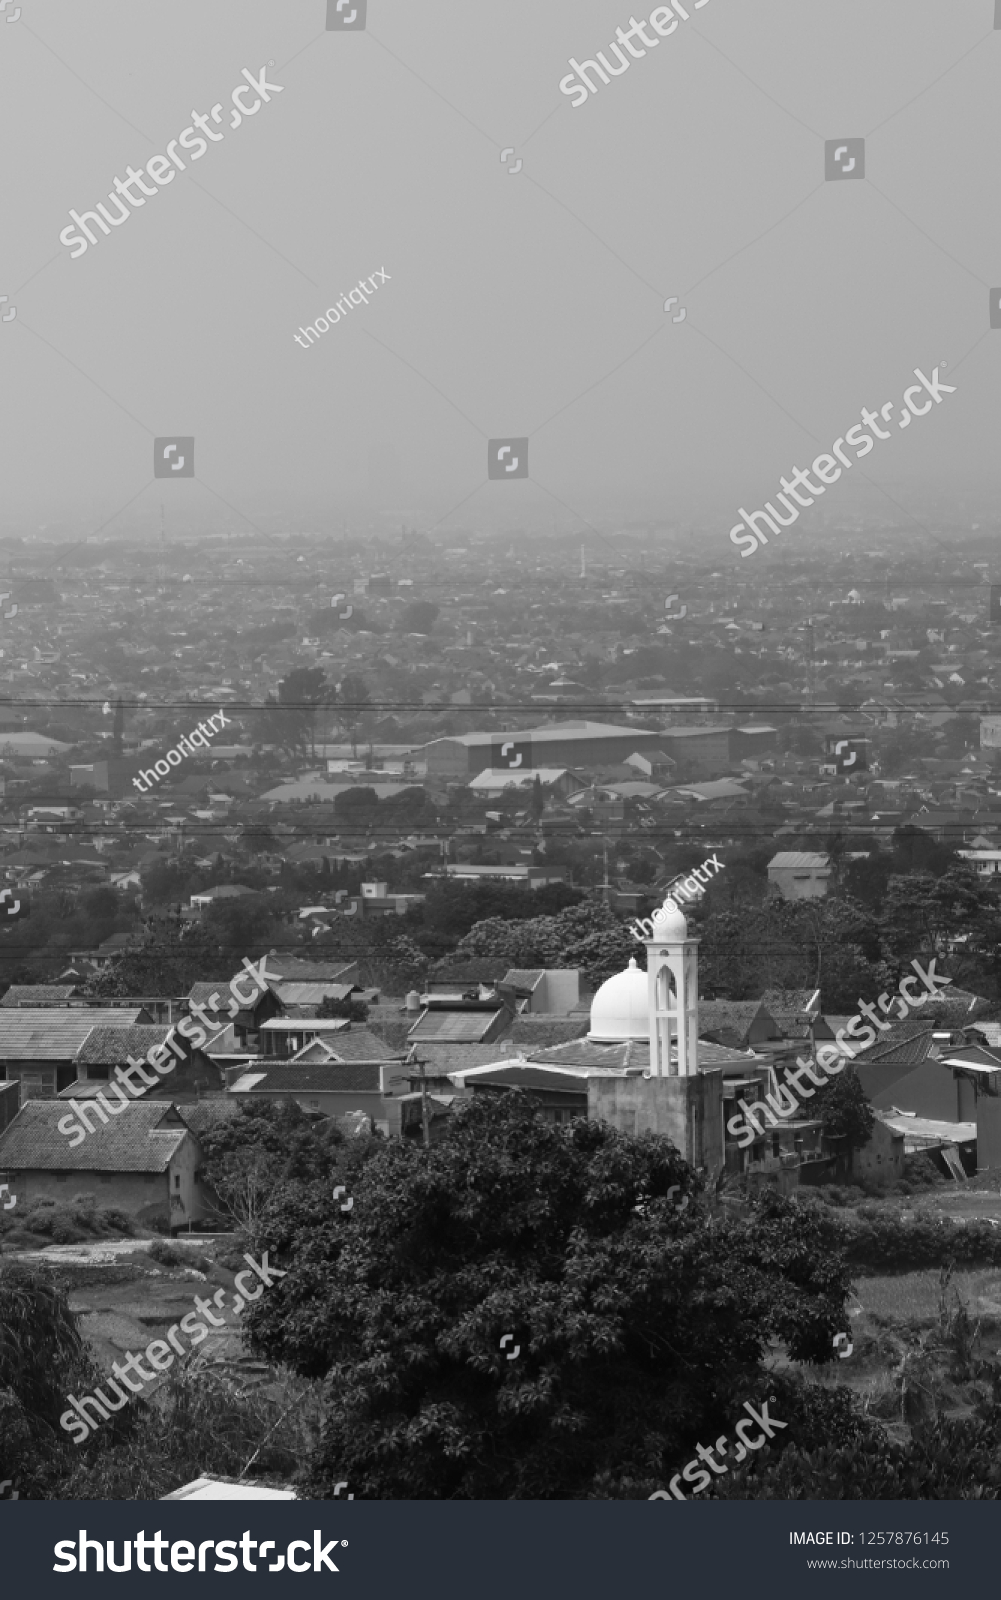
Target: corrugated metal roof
[(454, 1025), (56, 1034), (139, 1139)]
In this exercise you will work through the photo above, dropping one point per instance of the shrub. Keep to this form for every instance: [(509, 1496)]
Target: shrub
[(165, 1254)]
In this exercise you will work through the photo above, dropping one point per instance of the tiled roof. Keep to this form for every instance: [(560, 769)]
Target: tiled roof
[(54, 1033), (908, 1044), (290, 969), (357, 1077), (596, 1057), (201, 993), (468, 1026), (479, 969), (112, 1047), (311, 994), (359, 1044), (395, 1035), (206, 1113), (313, 1054), (526, 1077), (141, 1138), (444, 1058), (991, 1032), (731, 1019), (539, 1032), (805, 1000), (38, 994)]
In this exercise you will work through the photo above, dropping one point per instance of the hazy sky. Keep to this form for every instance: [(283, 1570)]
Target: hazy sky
[(513, 297)]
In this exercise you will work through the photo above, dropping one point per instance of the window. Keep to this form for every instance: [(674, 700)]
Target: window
[(177, 1180), (62, 1177)]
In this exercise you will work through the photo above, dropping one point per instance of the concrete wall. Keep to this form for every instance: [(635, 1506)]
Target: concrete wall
[(10, 1103), (698, 753), (54, 1075), (688, 1111), (928, 1089), (144, 1195), (449, 758), (134, 1192), (800, 883), (558, 992), (882, 1158)]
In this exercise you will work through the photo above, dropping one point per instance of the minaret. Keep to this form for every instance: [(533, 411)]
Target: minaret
[(672, 965)]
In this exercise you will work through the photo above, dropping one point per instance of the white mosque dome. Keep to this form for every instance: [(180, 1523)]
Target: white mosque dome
[(620, 1009), (669, 921)]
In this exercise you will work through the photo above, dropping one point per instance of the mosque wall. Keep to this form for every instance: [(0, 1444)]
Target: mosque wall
[(688, 1111)]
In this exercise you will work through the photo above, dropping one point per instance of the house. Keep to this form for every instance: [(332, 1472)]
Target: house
[(224, 891), (800, 874), (145, 1160), (104, 1049), (40, 1046), (456, 1019), (284, 1038), (39, 994), (795, 1012), (304, 999), (319, 1081), (248, 1021), (741, 1024)]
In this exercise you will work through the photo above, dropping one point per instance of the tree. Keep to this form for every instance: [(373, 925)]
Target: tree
[(845, 1112), (41, 1355), (636, 1328), (922, 914), (354, 1010), (168, 963), (419, 617), (352, 699), (538, 799), (249, 1156), (290, 720), (589, 936)]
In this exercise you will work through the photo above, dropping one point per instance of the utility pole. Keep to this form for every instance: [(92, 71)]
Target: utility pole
[(425, 1118)]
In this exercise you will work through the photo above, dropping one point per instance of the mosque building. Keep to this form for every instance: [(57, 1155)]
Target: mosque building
[(642, 1067)]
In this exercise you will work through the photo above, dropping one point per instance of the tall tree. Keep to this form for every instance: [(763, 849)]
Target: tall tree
[(352, 700), (521, 1311), (289, 720)]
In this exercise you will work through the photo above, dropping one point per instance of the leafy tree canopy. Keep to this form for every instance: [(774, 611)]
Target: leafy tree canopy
[(639, 1327)]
